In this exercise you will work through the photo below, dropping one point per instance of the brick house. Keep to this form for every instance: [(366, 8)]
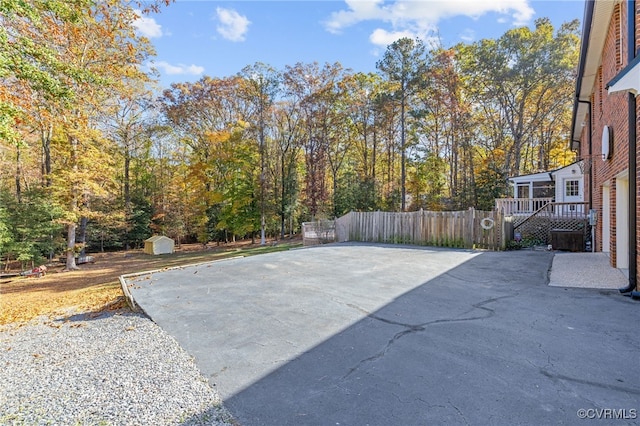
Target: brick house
[(605, 127)]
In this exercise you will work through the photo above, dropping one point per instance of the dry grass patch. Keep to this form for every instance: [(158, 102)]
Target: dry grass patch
[(21, 306), (95, 287)]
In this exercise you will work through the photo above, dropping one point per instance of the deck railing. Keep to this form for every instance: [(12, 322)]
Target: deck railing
[(511, 206)]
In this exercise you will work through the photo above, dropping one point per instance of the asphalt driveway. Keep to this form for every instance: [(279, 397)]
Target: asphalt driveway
[(355, 334)]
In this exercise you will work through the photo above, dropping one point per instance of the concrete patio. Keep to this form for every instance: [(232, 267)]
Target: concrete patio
[(586, 270)]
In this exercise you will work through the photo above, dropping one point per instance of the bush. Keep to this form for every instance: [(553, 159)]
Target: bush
[(526, 242)]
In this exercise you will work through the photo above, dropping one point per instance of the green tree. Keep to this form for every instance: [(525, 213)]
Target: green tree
[(29, 61), (404, 65), (363, 91), (489, 186), (287, 136), (203, 116), (104, 44), (517, 79), (261, 86), (443, 127), (313, 88), (128, 124), (30, 229), (240, 212)]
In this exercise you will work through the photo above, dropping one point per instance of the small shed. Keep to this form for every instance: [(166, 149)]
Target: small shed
[(159, 244)]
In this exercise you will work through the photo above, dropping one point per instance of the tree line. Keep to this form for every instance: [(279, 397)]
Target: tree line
[(94, 155)]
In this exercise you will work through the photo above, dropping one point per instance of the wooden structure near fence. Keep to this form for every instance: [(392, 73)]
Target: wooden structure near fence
[(553, 216), (520, 206), (461, 229), (318, 232)]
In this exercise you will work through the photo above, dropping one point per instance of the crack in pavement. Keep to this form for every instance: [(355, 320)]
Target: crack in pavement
[(466, 279), (383, 351), (466, 422), (414, 328), (557, 377)]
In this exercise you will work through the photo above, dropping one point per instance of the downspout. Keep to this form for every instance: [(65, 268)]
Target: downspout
[(588, 17), (633, 174)]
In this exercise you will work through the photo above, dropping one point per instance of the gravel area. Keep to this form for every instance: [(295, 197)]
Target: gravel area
[(118, 368)]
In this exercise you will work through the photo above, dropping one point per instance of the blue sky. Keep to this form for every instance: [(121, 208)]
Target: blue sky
[(194, 38)]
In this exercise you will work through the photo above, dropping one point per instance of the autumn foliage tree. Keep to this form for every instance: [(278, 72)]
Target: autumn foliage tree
[(65, 59), (85, 134), (403, 64)]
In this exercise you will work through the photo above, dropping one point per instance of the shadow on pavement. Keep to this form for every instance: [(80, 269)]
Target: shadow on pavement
[(487, 342)]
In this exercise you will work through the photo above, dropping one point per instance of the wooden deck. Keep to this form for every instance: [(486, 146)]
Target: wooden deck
[(521, 206), (523, 209)]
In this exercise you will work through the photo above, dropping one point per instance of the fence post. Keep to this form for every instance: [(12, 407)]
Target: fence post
[(471, 226), (503, 230)]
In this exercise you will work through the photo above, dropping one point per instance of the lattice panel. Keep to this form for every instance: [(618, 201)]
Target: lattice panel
[(518, 220), (539, 228)]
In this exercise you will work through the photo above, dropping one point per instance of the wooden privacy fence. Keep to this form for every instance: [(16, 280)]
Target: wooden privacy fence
[(464, 229)]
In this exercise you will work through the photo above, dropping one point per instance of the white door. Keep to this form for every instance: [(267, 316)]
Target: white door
[(606, 219), (622, 222)]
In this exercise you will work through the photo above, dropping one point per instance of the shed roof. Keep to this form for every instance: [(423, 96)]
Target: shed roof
[(156, 238)]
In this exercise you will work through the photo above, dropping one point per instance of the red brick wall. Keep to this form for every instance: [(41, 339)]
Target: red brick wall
[(610, 110)]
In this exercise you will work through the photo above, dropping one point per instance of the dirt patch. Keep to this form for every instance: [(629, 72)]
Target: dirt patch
[(95, 287)]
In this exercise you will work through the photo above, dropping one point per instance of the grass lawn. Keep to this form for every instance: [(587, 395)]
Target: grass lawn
[(95, 287)]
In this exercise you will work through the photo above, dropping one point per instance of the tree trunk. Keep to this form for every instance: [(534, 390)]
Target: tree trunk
[(18, 174), (334, 172), (71, 242), (374, 159), (283, 194), (127, 194), (403, 153), (291, 225), (46, 155), (73, 207), (83, 235)]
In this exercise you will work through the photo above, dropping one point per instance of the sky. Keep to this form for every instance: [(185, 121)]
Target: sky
[(194, 38)]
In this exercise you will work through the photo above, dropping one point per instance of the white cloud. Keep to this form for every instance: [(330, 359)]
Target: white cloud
[(358, 11), (146, 26), (179, 69), (233, 26), (383, 38), (421, 17)]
